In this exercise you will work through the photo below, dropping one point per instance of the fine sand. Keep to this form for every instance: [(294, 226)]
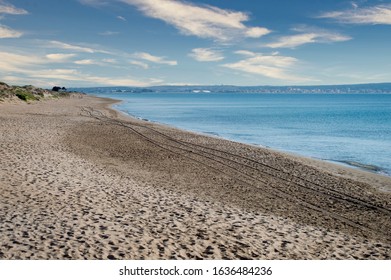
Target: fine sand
[(81, 181)]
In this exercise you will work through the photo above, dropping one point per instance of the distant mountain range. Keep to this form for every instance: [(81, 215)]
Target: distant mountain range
[(327, 89)]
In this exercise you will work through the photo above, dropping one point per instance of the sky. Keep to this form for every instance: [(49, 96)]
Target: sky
[(89, 43)]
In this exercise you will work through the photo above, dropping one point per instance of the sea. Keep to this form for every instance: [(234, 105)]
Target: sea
[(349, 129)]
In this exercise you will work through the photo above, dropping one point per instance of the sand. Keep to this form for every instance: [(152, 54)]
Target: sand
[(81, 181)]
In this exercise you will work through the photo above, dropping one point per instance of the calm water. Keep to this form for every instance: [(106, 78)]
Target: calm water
[(353, 129)]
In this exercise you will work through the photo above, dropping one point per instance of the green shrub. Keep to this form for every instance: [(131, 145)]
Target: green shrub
[(25, 95)]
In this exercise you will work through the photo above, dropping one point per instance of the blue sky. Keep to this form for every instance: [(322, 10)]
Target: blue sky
[(76, 43)]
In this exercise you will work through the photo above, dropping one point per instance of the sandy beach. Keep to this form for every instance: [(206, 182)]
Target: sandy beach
[(79, 180)]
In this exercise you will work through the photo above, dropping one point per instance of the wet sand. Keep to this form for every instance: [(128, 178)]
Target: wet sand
[(81, 181)]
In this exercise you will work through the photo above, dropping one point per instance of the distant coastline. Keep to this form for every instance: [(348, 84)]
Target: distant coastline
[(378, 88)]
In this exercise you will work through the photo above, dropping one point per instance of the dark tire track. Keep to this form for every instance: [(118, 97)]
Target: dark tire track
[(295, 189)]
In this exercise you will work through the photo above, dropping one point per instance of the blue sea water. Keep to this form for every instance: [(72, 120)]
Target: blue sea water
[(353, 129)]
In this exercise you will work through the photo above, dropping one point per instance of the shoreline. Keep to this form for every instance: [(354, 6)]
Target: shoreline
[(82, 180), (362, 165), (352, 170)]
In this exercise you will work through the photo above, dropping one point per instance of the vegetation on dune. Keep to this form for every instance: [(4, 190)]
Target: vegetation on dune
[(29, 93), (25, 95)]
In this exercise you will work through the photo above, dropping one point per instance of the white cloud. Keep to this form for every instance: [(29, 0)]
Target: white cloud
[(31, 68), (139, 63), (109, 33), (380, 14), (60, 74), (102, 62), (154, 59), (246, 53), (28, 64), (121, 18), (109, 60), (19, 80), (86, 62), (66, 46), (201, 21), (6, 8), (256, 32), (306, 38), (206, 54), (6, 32), (117, 81), (95, 3), (59, 57), (354, 5), (73, 75), (272, 66), (12, 62)]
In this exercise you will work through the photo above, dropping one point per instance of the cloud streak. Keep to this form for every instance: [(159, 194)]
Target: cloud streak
[(77, 48), (201, 21), (139, 63), (154, 59), (33, 67), (11, 62), (6, 32), (109, 33), (206, 54), (272, 66), (59, 57), (102, 62), (94, 3), (380, 14), (86, 62), (6, 8), (73, 75), (308, 38), (121, 18)]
